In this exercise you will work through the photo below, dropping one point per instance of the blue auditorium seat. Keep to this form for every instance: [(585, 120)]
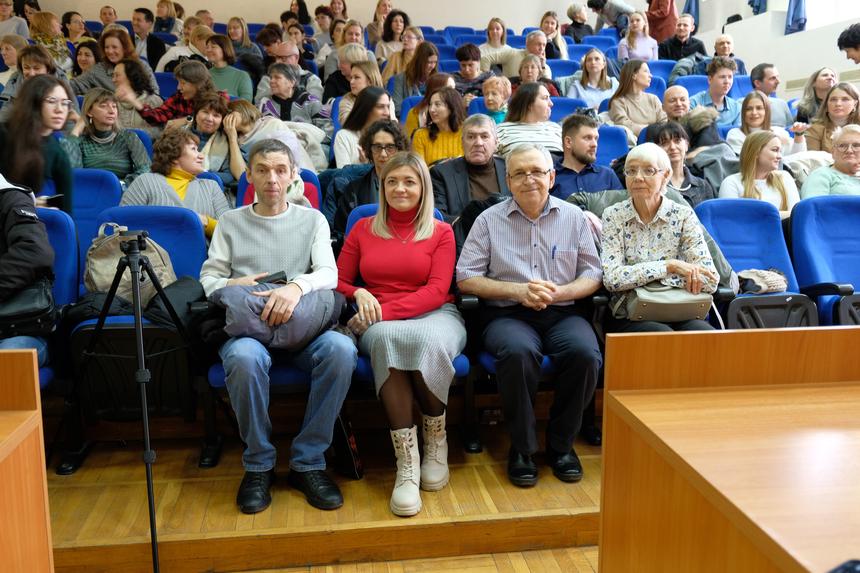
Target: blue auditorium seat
[(693, 83), (749, 234), (602, 42), (611, 145), (448, 66), (562, 68), (166, 37), (145, 139), (167, 84), (657, 87), (826, 249), (577, 52), (95, 191), (408, 104), (564, 106), (741, 86), (476, 39), (662, 68), (446, 52)]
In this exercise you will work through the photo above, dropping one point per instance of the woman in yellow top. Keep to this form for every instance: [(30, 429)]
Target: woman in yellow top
[(442, 137), (417, 116)]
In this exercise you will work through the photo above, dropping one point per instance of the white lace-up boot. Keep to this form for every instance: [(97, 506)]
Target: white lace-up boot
[(406, 497), (434, 465)]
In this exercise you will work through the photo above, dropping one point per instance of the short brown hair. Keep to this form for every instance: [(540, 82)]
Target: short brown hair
[(37, 55), (168, 148), (720, 62), (120, 34), (212, 101), (574, 122), (226, 46)]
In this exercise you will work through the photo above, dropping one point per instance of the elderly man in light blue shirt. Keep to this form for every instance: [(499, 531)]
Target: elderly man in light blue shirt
[(721, 73)]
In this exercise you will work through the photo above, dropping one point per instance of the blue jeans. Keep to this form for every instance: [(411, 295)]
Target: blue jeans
[(40, 345), (329, 359)]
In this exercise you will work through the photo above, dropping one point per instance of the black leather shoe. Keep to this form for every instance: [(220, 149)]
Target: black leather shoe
[(565, 467), (254, 493), (592, 435), (522, 470), (320, 491)]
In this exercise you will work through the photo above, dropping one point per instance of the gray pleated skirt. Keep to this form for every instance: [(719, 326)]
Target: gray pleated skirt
[(426, 343)]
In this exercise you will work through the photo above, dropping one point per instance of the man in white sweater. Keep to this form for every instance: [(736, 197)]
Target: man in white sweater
[(250, 243)]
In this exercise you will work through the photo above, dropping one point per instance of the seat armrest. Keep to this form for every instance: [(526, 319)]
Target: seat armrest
[(724, 294), (600, 299), (823, 289), (468, 302)]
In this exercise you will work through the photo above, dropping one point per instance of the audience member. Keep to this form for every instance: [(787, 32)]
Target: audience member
[(371, 105), (530, 71), (721, 73), (107, 15), (591, 84), (173, 182), (289, 102), (849, 42), (288, 54), (637, 44), (45, 31), (497, 38), (760, 176), (649, 238), (87, 54), (11, 24), (817, 86), (98, 140), (528, 121), (755, 116), (556, 46), (209, 114), (469, 80), (361, 75), (396, 64), (675, 141), (226, 78), (441, 139), (326, 50), (631, 106), (147, 45), (338, 82), (237, 31), (323, 20), (29, 153), (578, 27), (116, 46), (30, 7), (476, 176), (841, 178), (724, 46), (307, 47), (166, 19), (206, 18), (10, 45), (32, 61), (510, 58), (611, 13), (338, 9), (577, 171), (379, 143), (194, 50), (406, 321), (765, 78), (676, 102), (74, 28), (497, 93), (248, 245), (352, 33), (130, 76), (376, 27), (412, 81), (417, 116), (532, 310), (662, 18), (391, 41), (682, 44), (839, 108), (300, 7), (26, 257)]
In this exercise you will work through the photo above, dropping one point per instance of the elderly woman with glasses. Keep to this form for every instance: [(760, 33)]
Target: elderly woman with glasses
[(841, 177), (649, 238)]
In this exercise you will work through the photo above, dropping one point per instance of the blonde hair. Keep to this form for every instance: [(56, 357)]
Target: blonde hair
[(201, 33), (246, 41), (558, 40), (501, 82), (40, 23), (765, 126), (370, 71), (752, 148), (424, 223), (603, 82), (631, 35), (352, 53), (500, 22), (171, 9)]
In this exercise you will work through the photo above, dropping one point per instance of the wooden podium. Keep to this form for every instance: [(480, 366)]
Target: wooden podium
[(25, 525), (731, 451)]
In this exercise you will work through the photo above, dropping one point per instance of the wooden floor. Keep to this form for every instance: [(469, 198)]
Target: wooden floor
[(567, 560), (100, 520)]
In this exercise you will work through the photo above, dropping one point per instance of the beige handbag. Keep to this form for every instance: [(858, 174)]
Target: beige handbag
[(661, 303), (102, 258)]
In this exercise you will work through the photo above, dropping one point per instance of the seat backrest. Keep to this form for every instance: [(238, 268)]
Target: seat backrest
[(602, 42), (564, 106), (476, 39), (611, 144), (64, 241), (518, 42), (448, 66), (94, 191), (220, 28), (693, 83), (408, 104), (657, 87), (724, 130), (749, 233), (128, 26), (145, 139), (178, 231), (167, 84), (309, 176), (166, 37), (369, 210), (825, 240), (576, 53), (211, 177), (662, 68), (741, 86), (562, 68), (477, 105), (447, 51), (438, 39)]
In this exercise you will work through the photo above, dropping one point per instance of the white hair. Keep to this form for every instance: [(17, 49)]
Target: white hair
[(848, 129), (521, 148), (650, 153)]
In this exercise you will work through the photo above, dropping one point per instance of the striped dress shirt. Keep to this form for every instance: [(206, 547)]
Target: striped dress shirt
[(505, 245)]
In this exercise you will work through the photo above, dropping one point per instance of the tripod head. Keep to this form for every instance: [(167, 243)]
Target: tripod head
[(132, 242)]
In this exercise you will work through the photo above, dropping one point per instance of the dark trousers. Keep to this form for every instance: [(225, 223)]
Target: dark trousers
[(519, 337), (624, 325)]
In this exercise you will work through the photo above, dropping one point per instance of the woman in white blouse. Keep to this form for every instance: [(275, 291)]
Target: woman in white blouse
[(591, 84), (649, 238), (760, 176), (755, 116)]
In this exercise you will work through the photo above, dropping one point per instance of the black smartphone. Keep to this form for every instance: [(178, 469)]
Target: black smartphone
[(278, 278)]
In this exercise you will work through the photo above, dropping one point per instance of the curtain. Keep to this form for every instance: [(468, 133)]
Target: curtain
[(691, 7), (795, 18), (758, 6)]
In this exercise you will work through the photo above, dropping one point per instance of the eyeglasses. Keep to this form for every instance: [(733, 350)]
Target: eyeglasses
[(844, 147), (57, 102), (647, 172), (378, 148), (521, 177)]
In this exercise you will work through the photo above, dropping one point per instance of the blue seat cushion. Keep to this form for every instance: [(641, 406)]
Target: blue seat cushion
[(281, 375), (488, 362), (46, 375)]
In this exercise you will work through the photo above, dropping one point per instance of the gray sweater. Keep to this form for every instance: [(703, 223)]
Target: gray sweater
[(101, 76), (203, 195), (297, 242)]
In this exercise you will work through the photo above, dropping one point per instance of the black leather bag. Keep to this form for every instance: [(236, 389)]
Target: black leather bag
[(29, 312)]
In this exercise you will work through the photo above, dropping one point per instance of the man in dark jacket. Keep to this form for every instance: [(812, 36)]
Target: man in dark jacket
[(25, 254), (682, 44), (474, 176), (146, 44)]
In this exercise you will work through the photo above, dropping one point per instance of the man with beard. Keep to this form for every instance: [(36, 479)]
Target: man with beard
[(577, 172)]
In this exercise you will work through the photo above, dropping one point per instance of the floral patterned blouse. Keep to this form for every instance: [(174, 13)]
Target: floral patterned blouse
[(635, 253)]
